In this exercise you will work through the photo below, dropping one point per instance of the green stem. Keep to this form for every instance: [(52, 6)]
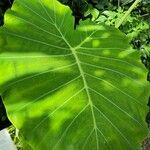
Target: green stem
[(127, 13)]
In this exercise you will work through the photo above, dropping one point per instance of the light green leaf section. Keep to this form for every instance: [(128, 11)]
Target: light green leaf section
[(69, 89)]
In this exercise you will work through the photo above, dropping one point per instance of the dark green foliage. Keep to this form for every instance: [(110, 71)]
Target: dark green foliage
[(148, 76), (148, 114), (4, 121), (4, 5), (148, 119), (146, 62), (139, 26), (80, 7), (143, 10)]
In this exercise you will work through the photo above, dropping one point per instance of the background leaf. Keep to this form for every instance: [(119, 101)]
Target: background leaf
[(70, 89)]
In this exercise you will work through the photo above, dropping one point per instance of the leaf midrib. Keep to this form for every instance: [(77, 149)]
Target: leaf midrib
[(73, 50)]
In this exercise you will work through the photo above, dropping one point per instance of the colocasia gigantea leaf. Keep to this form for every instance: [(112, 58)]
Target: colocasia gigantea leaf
[(4, 5)]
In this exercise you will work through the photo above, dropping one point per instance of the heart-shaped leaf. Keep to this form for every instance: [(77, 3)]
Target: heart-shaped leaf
[(69, 89)]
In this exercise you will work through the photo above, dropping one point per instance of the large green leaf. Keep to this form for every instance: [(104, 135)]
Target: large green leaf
[(67, 89)]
